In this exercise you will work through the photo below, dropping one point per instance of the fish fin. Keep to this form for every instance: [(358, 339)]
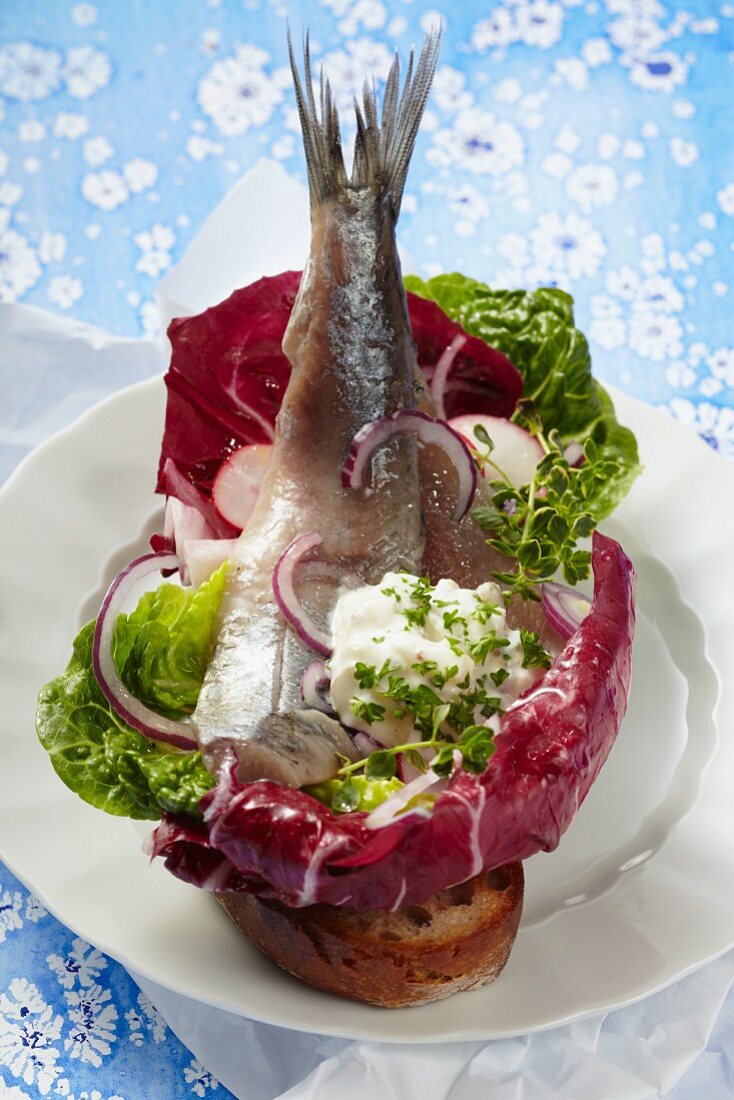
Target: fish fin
[(383, 147)]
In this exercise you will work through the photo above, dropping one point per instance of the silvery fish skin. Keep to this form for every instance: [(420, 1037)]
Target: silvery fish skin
[(353, 359)]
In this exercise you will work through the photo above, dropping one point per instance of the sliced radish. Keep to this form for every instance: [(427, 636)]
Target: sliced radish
[(238, 482), (516, 451), (202, 556)]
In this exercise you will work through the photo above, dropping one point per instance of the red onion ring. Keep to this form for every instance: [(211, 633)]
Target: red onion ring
[(314, 682), (287, 600), (123, 702), (429, 430), (565, 608), (441, 372)]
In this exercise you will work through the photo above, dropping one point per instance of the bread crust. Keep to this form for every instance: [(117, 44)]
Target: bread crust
[(459, 939)]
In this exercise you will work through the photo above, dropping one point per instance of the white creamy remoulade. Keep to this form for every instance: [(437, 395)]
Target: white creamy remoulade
[(404, 634)]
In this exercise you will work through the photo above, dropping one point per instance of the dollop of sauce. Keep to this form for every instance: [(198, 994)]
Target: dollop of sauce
[(404, 634)]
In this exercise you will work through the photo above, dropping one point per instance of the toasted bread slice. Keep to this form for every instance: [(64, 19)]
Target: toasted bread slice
[(459, 939)]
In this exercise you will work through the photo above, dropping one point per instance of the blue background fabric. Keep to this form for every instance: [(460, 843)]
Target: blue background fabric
[(586, 145)]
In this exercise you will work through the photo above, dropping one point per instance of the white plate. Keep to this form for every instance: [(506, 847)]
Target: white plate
[(641, 890)]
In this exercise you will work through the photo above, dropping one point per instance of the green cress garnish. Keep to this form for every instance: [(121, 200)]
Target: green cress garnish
[(540, 524)]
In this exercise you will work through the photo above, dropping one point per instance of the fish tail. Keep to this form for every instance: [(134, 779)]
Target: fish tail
[(383, 147)]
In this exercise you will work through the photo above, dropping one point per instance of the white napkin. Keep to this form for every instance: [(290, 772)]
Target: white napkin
[(259, 228), (636, 1053), (54, 368)]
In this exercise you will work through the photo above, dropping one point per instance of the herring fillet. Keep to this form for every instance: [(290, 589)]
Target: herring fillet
[(353, 357)]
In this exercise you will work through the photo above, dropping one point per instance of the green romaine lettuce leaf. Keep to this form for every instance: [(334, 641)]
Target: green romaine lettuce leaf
[(536, 330), (161, 651), (364, 794), (163, 647)]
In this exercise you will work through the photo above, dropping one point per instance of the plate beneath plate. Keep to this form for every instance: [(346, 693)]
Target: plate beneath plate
[(639, 891)]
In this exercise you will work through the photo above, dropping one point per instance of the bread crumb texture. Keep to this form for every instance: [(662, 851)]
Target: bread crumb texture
[(460, 938)]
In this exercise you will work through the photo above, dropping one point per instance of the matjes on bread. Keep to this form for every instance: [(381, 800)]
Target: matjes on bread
[(459, 939)]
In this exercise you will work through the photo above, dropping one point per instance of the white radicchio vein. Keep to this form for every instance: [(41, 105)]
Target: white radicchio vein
[(323, 851), (224, 792), (401, 894), (217, 877), (231, 391), (474, 808)]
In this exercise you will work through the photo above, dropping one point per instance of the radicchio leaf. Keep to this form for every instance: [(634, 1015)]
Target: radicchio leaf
[(227, 378), (481, 379), (228, 375), (551, 745)]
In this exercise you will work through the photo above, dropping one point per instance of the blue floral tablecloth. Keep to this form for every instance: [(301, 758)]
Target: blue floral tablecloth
[(588, 145)]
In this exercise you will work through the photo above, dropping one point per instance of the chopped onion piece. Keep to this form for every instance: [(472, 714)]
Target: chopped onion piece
[(122, 701), (182, 524), (565, 608), (429, 430)]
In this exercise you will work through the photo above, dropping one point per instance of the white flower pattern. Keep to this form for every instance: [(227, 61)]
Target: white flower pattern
[(479, 143), (86, 70), (29, 1028), (10, 907), (82, 964), (28, 72), (237, 93), (65, 290), (106, 189), (566, 248), (93, 1022), (200, 1078), (19, 266)]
